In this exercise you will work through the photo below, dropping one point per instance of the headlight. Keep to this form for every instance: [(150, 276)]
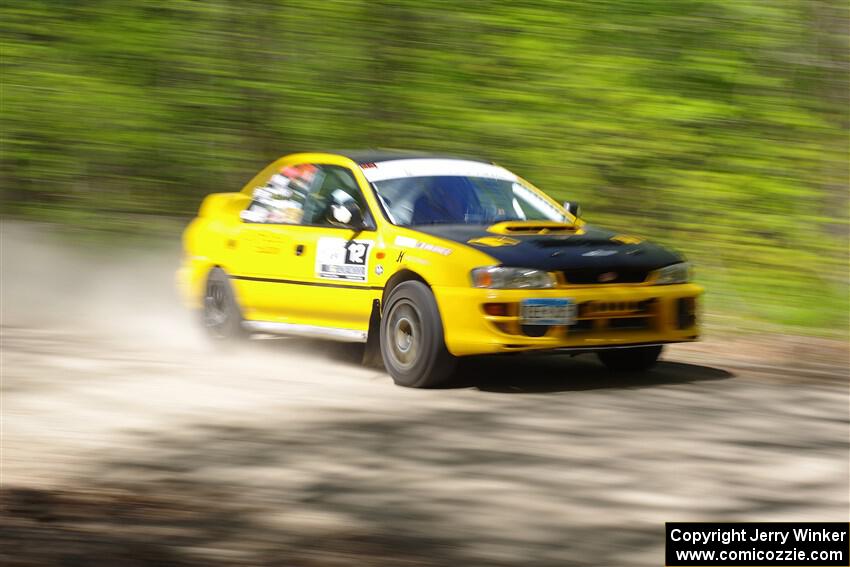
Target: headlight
[(498, 277), (673, 274)]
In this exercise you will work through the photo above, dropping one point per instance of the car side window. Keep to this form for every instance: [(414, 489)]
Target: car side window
[(283, 198), (334, 185)]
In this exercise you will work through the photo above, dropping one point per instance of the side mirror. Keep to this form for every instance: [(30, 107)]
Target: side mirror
[(573, 208), (344, 211)]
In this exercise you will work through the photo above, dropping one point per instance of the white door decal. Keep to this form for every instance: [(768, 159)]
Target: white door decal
[(340, 259)]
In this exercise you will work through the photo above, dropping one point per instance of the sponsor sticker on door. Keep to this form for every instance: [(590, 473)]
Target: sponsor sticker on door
[(340, 259)]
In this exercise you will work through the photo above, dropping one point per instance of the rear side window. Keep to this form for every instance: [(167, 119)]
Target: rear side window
[(282, 199)]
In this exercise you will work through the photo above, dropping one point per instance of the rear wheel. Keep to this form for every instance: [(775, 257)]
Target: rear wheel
[(633, 359), (412, 343), (222, 316)]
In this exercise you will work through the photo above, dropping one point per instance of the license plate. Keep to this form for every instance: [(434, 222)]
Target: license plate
[(547, 312)]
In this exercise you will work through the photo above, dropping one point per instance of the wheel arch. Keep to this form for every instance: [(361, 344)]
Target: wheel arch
[(401, 276), (372, 353)]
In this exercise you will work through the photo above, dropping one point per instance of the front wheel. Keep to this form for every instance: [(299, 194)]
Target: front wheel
[(634, 359), (412, 343)]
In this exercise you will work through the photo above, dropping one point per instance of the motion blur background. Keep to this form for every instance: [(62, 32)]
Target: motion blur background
[(717, 127)]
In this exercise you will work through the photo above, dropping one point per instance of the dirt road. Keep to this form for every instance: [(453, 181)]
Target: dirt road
[(128, 440)]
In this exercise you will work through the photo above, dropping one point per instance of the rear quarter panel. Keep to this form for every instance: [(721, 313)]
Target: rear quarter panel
[(206, 243)]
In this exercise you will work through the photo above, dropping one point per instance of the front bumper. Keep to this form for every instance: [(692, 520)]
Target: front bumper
[(609, 316)]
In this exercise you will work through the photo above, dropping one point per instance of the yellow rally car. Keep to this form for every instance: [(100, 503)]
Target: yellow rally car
[(425, 259)]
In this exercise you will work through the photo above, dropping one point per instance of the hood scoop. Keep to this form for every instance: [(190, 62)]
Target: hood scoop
[(586, 241), (534, 227)]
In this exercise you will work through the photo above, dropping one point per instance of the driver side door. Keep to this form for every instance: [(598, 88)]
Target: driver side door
[(334, 264)]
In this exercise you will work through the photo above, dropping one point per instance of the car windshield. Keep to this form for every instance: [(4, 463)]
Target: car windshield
[(452, 199)]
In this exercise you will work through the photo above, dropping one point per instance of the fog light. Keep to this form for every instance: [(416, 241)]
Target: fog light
[(496, 309)]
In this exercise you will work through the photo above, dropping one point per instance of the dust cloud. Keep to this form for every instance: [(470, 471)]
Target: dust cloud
[(124, 293), (57, 279)]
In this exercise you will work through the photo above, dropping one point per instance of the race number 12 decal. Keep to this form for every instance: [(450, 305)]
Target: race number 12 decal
[(340, 259)]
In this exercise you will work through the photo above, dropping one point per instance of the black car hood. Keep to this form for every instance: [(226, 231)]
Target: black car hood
[(589, 249)]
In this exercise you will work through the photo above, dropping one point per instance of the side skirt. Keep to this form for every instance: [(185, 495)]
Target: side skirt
[(332, 333)]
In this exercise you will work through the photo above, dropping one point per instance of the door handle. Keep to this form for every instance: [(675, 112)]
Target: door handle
[(299, 249)]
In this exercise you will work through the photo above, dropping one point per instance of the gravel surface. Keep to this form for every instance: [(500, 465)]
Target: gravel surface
[(128, 440)]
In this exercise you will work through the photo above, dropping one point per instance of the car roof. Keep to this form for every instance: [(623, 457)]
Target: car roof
[(379, 155)]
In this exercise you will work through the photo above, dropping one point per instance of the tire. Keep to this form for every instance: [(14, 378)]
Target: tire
[(412, 343), (636, 359), (221, 316)]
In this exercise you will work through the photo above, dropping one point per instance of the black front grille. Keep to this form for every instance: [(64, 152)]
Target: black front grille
[(582, 325), (629, 323), (686, 312), (598, 309), (535, 330), (597, 276)]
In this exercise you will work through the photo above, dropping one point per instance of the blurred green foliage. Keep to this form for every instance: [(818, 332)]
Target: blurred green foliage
[(718, 127)]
